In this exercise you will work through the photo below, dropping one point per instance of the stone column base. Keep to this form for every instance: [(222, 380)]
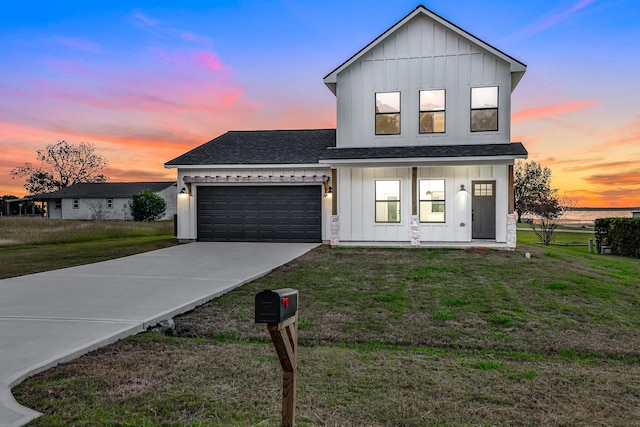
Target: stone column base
[(335, 230), (415, 230), (511, 231)]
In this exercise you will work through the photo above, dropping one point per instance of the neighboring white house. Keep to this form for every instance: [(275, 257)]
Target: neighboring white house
[(104, 200), (421, 155)]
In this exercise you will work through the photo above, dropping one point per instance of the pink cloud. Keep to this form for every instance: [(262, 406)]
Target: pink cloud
[(185, 86), (208, 60), (77, 44), (195, 59), (551, 110)]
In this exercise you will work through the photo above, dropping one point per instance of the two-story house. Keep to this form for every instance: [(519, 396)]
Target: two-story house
[(421, 155)]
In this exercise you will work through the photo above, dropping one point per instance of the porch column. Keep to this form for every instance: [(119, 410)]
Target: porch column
[(415, 221), (335, 219), (512, 192)]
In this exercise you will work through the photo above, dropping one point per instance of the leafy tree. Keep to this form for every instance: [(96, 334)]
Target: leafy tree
[(61, 165), (147, 206), (532, 185), (534, 196)]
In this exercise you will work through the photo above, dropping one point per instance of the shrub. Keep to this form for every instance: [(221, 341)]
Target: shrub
[(147, 206), (622, 234)]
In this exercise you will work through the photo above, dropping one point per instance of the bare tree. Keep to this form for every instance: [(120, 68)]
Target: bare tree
[(98, 210), (546, 213), (61, 165)]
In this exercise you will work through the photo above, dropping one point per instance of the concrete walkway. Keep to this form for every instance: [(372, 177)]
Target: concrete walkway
[(53, 317)]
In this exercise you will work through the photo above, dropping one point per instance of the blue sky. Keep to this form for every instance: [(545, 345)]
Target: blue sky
[(145, 81)]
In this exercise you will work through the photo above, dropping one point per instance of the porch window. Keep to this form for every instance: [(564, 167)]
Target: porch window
[(388, 201), (388, 113), (76, 203), (432, 111), (432, 200), (484, 109)]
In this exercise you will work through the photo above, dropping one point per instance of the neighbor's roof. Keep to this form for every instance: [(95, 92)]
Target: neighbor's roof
[(512, 150), (518, 68), (102, 190), (260, 147)]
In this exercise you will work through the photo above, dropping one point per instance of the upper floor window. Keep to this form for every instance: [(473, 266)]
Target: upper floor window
[(76, 203), (484, 109), (388, 113), (432, 111), (432, 200), (388, 201)]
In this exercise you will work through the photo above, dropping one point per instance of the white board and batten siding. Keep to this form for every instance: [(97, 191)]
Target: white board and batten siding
[(356, 203), (421, 55)]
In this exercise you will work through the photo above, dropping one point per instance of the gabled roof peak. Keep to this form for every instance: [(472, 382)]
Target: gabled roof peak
[(517, 67)]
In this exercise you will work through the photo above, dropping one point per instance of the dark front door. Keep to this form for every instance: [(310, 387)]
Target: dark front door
[(483, 209), (260, 213)]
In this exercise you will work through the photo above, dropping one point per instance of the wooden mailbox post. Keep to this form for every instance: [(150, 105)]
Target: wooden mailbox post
[(279, 310)]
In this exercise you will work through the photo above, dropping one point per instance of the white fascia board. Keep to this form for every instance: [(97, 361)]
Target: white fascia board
[(423, 161), (251, 166)]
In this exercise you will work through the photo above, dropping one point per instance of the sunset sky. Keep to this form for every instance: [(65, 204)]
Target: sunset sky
[(145, 81)]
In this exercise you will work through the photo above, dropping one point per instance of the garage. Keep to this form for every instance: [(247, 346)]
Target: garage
[(260, 213)]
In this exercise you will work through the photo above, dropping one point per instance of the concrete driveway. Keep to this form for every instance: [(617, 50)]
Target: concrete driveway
[(53, 317)]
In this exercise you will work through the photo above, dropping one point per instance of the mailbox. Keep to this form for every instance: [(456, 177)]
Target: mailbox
[(276, 306)]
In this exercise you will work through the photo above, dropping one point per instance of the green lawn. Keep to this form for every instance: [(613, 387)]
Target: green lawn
[(33, 245), (388, 337)]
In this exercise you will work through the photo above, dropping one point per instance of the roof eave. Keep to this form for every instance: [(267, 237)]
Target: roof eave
[(247, 166), (424, 161)]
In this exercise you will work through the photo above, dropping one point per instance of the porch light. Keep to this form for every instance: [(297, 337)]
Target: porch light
[(328, 191), (462, 187), (184, 190)]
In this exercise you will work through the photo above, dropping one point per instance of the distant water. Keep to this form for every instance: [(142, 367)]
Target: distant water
[(586, 216)]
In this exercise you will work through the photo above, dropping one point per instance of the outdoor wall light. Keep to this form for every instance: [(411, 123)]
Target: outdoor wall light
[(183, 191), (462, 187)]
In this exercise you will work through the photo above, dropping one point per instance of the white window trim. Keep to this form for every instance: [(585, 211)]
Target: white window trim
[(420, 200), (375, 207)]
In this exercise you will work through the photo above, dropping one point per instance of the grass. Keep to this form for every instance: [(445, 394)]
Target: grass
[(388, 337), (41, 231), (33, 245)]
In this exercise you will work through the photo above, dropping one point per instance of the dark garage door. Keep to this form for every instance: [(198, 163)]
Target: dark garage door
[(260, 214)]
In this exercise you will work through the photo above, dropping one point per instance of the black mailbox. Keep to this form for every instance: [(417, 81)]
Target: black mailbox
[(276, 306)]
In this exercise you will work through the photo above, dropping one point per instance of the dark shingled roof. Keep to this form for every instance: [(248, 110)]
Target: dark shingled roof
[(433, 151), (261, 147), (103, 190)]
